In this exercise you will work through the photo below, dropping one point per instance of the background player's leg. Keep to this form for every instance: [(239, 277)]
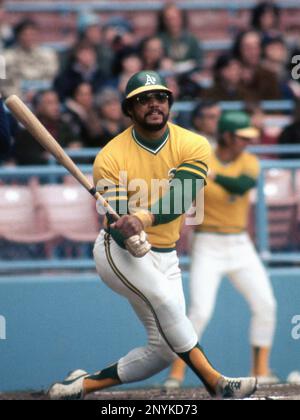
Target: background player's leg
[(205, 278), (207, 270), (252, 281)]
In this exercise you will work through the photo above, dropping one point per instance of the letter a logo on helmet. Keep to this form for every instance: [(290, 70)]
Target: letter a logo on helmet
[(151, 80), (144, 81)]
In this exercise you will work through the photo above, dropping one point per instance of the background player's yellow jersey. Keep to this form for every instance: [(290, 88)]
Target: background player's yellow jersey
[(226, 212), (180, 151)]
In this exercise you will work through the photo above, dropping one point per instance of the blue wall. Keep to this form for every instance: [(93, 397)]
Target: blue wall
[(57, 324)]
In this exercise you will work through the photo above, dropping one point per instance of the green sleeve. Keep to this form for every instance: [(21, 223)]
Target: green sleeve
[(238, 186), (177, 201)]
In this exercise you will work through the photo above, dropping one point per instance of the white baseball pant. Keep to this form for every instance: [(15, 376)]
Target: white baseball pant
[(153, 286), (215, 256)]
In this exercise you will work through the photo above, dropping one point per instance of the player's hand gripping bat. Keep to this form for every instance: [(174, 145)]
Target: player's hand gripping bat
[(137, 245)]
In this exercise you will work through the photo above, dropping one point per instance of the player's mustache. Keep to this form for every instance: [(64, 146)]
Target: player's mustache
[(157, 111)]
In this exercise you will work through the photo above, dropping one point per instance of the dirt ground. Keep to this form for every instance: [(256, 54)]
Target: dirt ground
[(274, 392)]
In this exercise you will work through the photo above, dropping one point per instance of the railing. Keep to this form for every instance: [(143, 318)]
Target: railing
[(129, 6), (268, 106), (52, 173)]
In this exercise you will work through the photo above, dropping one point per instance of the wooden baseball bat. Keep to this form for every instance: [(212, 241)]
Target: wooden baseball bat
[(42, 135)]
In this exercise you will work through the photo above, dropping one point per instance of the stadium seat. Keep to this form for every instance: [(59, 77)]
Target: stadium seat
[(282, 208), (71, 212), (278, 184), (282, 220), (21, 220)]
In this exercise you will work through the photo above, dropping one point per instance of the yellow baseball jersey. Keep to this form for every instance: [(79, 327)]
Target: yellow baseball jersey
[(182, 150), (225, 212)]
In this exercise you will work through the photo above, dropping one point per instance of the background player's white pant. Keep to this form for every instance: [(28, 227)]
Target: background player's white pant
[(215, 256), (153, 286)]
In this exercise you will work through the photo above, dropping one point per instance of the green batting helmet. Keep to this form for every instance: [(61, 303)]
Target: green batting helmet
[(144, 81), (238, 123)]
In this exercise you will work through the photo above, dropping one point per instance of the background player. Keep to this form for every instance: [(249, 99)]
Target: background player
[(151, 149), (221, 246)]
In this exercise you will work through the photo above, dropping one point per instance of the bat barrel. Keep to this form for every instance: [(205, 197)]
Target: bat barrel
[(24, 115)]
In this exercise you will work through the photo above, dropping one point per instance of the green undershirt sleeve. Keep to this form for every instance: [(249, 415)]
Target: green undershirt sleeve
[(238, 186), (178, 200)]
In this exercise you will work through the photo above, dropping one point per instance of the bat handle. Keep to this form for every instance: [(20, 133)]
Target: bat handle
[(103, 203)]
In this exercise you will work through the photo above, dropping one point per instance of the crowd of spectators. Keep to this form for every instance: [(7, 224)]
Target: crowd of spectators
[(84, 83)]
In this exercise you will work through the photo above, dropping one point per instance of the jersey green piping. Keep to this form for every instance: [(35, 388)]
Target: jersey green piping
[(146, 145)]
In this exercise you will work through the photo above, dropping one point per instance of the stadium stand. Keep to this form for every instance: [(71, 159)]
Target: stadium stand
[(23, 224), (215, 23), (214, 20), (71, 213)]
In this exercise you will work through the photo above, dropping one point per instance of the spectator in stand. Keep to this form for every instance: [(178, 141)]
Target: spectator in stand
[(275, 60), (227, 74), (126, 64), (180, 45), (257, 82), (90, 29), (291, 134), (83, 68), (111, 120), (6, 33), (27, 60), (5, 138), (266, 20), (47, 108), (118, 34), (205, 120), (153, 54), (81, 115)]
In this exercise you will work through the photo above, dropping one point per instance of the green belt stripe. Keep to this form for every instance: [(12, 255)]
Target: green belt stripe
[(163, 250), (215, 229), (130, 286)]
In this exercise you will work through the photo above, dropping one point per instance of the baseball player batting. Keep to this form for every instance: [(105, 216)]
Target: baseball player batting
[(151, 149), (221, 246)]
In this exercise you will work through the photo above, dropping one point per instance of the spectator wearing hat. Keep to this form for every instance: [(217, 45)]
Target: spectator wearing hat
[(90, 30), (118, 34), (27, 60), (83, 68), (227, 75)]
